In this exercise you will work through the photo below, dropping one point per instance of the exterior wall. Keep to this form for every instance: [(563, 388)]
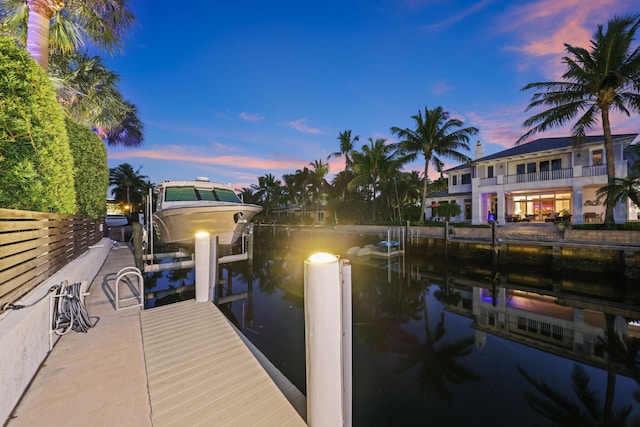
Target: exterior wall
[(578, 171), (577, 175), (24, 333)]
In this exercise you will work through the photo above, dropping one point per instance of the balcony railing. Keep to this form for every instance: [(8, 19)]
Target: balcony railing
[(539, 176), (597, 170), (488, 181)]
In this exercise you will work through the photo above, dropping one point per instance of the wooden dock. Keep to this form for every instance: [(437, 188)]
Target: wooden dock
[(201, 373)]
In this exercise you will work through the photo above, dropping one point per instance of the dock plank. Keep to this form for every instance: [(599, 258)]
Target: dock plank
[(201, 373)]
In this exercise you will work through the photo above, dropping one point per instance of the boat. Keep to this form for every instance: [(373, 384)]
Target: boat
[(387, 245), (384, 248), (185, 208)]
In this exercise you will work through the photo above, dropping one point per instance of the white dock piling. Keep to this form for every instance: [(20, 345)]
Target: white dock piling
[(202, 265), (328, 341), (212, 291), (347, 342)]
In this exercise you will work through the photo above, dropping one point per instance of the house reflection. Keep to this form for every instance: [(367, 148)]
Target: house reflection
[(573, 326)]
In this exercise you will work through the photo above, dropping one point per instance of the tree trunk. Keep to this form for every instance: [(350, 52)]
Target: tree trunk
[(609, 221), (40, 13), (611, 371), (423, 203)]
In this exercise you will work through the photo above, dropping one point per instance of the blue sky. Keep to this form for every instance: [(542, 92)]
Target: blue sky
[(236, 90)]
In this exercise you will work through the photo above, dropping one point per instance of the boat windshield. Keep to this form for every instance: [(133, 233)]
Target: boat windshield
[(193, 194), (225, 195)]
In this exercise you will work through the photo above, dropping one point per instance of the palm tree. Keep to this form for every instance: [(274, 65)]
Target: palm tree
[(596, 82), (435, 136), (623, 188), (346, 147), (409, 188), (317, 181), (269, 191), (374, 165), (248, 195), (291, 190), (302, 184), (66, 26), (129, 185), (85, 88), (88, 92)]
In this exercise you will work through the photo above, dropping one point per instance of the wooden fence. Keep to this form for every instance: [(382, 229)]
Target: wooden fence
[(35, 245)]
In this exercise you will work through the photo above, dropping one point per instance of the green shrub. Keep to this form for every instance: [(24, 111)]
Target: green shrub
[(36, 167), (90, 170), (306, 220), (632, 225)]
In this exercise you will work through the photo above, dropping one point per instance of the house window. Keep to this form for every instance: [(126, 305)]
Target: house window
[(531, 168), (454, 180), (520, 169), (596, 157), (544, 166), (556, 164), (489, 171), (466, 178)]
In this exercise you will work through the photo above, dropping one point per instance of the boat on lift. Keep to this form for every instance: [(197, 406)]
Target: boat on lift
[(185, 208)]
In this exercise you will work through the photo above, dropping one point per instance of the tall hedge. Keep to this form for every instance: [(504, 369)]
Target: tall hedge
[(91, 172), (36, 167)]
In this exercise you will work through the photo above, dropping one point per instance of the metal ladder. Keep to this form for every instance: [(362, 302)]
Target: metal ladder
[(138, 294)]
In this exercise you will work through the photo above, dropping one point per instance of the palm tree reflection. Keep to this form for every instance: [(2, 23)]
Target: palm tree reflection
[(623, 355), (438, 360)]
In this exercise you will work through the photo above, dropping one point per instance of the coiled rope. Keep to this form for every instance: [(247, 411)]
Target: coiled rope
[(71, 313)]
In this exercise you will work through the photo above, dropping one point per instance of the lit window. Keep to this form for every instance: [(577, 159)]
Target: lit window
[(596, 157)]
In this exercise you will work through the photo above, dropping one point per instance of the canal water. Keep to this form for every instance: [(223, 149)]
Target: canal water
[(442, 342)]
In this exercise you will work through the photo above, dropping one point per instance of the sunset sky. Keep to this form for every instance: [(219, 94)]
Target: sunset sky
[(236, 90)]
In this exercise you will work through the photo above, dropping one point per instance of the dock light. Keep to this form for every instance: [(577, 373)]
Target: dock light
[(322, 258)]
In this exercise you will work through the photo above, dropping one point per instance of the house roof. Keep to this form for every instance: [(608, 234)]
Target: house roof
[(544, 144)]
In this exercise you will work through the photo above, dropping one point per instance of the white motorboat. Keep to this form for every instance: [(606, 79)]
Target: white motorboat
[(184, 208)]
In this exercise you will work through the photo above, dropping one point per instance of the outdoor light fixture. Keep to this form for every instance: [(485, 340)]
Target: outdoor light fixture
[(322, 258)]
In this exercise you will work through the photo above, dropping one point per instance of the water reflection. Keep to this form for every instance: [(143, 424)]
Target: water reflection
[(440, 342)]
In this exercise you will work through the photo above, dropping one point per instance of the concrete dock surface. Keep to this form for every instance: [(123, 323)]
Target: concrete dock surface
[(103, 377), (96, 378)]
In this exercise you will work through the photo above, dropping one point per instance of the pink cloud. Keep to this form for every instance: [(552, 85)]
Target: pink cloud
[(253, 118), (440, 87), (184, 154), (301, 126), (464, 12), (543, 27)]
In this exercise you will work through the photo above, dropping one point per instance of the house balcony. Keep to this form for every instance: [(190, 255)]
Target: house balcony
[(560, 174)]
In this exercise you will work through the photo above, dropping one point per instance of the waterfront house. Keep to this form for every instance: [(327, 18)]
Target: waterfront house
[(317, 214), (538, 181)]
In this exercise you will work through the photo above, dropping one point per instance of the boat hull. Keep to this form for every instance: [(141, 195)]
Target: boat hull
[(227, 221)]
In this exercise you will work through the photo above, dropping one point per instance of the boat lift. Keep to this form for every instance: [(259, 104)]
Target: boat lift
[(148, 261), (149, 257)]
